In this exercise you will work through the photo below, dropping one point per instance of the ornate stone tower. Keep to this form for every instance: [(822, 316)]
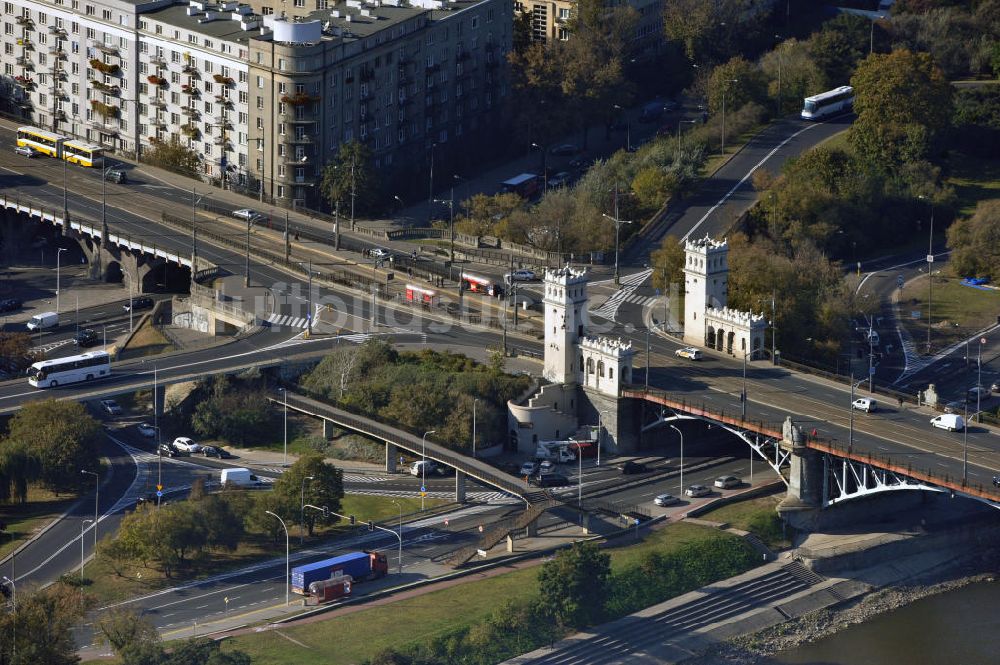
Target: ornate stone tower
[(565, 304), (706, 273)]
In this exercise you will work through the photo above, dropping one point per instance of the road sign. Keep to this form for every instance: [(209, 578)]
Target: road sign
[(871, 371), (480, 528), (423, 489), (657, 292), (159, 494), (159, 487), (930, 258), (446, 522), (899, 281), (423, 493)]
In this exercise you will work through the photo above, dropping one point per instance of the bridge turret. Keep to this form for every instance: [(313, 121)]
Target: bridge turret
[(565, 304)]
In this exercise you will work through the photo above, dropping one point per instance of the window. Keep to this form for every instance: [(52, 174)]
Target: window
[(260, 82), (106, 14), (89, 10)]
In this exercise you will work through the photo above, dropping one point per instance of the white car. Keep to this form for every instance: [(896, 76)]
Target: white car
[(379, 253), (546, 467), (688, 352), (247, 214), (111, 407), (697, 490), (520, 276), (728, 482), (665, 500), (529, 468), (146, 429), (866, 404), (186, 445)]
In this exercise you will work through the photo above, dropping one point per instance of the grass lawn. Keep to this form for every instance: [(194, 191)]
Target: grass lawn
[(23, 521), (360, 635), (148, 341), (749, 515), (137, 580), (974, 179), (837, 142), (956, 311)]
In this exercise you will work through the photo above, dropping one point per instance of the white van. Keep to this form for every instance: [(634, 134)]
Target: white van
[(422, 467), (949, 421), (43, 321), (866, 404), (238, 477), (558, 454)]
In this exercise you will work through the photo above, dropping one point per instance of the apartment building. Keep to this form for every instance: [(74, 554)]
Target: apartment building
[(264, 93), (550, 19)]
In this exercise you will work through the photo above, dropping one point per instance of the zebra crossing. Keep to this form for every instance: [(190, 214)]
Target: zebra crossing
[(348, 477), (51, 346), (288, 321), (492, 498), (629, 284)]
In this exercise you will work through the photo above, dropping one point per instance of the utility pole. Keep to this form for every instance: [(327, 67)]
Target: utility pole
[(288, 239), (336, 226), (618, 225), (246, 281), (354, 186)]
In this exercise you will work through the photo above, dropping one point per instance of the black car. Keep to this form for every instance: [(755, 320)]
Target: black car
[(550, 480), (139, 303), (631, 467), (167, 450), (116, 176), (85, 337), (216, 451), (10, 304)]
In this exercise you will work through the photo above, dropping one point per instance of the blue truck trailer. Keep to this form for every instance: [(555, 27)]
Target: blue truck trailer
[(359, 565)]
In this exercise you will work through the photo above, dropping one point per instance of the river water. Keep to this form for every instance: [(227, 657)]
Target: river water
[(958, 627)]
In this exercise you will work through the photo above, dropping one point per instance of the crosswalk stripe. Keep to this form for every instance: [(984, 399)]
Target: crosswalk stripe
[(609, 309)]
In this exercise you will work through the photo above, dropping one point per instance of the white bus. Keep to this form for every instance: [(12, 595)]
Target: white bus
[(84, 367), (828, 103)]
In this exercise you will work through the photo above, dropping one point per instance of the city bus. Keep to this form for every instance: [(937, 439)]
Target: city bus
[(72, 369), (83, 154), (525, 185), (41, 140), (828, 103)]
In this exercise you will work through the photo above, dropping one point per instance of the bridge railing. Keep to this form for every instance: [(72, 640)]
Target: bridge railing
[(663, 398)]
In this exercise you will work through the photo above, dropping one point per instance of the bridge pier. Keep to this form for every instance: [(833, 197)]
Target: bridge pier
[(159, 401), (328, 429), (620, 419), (459, 486), (391, 453)]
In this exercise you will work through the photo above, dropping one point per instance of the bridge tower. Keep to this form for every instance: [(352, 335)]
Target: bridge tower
[(565, 304), (706, 276)]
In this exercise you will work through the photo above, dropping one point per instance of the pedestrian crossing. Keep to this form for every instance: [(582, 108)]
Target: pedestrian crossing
[(492, 498), (51, 346), (626, 293), (286, 320)]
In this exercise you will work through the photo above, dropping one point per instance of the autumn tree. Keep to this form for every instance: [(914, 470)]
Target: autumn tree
[(975, 242), (231, 411), (667, 263), (126, 630), (173, 155), (62, 436), (903, 106), (349, 180), (836, 50), (45, 622)]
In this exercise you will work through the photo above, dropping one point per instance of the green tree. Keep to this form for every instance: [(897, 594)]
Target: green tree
[(667, 263), (125, 629), (691, 23), (349, 179), (15, 350), (575, 585), (173, 155), (325, 489), (45, 621), (740, 81), (231, 411), (63, 437), (975, 242), (837, 48), (903, 104), (19, 467)]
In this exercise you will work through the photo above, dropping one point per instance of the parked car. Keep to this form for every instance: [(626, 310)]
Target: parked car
[(728, 482), (866, 404), (167, 450), (958, 406), (10, 304), (143, 302), (949, 421), (186, 445), (520, 276), (630, 467), (995, 387), (566, 149), (247, 214), (85, 337), (216, 451), (528, 469), (146, 429), (977, 391), (697, 490), (665, 500), (689, 352), (546, 467), (111, 407), (27, 151)]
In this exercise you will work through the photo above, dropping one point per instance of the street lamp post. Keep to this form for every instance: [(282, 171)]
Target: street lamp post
[(618, 225), (474, 403), (545, 169), (97, 494), (284, 457), (58, 267), (680, 434), (628, 130), (288, 579), (743, 393), (399, 570), (600, 433), (423, 466), (679, 123), (430, 194), (965, 443), (930, 265), (308, 265), (260, 141), (302, 509), (13, 624), (979, 379), (83, 523)]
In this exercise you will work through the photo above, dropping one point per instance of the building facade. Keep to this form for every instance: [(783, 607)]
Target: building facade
[(264, 94), (549, 20)]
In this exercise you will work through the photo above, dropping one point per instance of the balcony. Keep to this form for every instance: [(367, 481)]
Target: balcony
[(158, 122), (107, 49), (60, 93), (156, 80), (190, 69), (105, 67), (25, 21), (59, 116), (157, 102), (57, 31), (25, 82), (462, 55), (105, 88), (190, 90), (158, 60), (26, 43), (221, 140), (223, 80), (301, 120), (191, 112), (58, 52), (298, 139), (299, 99)]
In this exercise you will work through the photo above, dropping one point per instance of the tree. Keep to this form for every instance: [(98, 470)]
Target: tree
[(125, 629), (740, 81), (15, 350), (45, 621), (349, 179), (667, 263), (689, 22), (173, 155), (903, 103), (975, 242), (325, 489), (19, 466), (231, 411), (63, 437), (576, 584), (837, 48)]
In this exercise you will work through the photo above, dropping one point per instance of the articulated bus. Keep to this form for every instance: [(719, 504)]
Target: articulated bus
[(828, 103), (41, 140), (84, 154), (72, 369), (61, 147)]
